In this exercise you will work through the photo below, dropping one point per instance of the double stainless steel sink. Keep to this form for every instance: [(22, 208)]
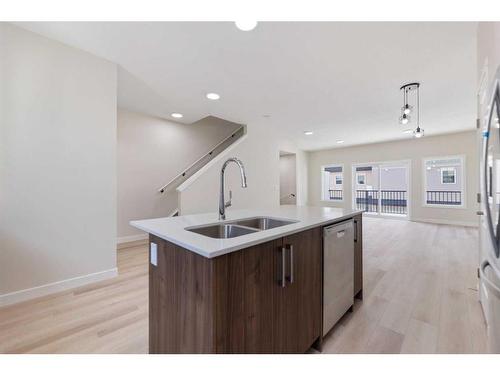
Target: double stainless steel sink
[(240, 227)]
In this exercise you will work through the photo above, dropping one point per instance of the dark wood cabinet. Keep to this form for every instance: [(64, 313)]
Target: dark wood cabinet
[(358, 256), (298, 304), (238, 303), (265, 298), (244, 288), (257, 310)]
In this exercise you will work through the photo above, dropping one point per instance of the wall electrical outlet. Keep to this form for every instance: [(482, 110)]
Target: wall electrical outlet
[(153, 252)]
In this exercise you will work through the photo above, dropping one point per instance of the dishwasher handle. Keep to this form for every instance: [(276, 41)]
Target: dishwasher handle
[(338, 229)]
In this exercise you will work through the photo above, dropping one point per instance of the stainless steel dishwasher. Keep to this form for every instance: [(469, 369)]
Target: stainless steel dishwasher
[(338, 272)]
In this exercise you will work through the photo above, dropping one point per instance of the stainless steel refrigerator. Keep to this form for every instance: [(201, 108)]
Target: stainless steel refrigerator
[(489, 228)]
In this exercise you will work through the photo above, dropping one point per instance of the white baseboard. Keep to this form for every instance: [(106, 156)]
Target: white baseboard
[(447, 222), (58, 286), (136, 237)]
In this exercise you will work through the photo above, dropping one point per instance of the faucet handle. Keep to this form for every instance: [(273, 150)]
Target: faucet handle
[(230, 201)]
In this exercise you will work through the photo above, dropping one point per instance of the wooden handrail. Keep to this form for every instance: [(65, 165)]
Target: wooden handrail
[(185, 170)]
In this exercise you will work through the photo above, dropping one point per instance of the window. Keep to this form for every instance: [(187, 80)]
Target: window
[(448, 175), (332, 182), (360, 178), (381, 188), (444, 179)]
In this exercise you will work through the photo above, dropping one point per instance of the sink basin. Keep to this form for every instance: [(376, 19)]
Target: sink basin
[(222, 230), (240, 227), (263, 223)]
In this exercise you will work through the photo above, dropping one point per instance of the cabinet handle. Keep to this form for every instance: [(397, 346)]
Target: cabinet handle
[(355, 231), (291, 263), (283, 267)]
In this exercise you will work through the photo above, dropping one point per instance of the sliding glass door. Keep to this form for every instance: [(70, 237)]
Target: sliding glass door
[(381, 188)]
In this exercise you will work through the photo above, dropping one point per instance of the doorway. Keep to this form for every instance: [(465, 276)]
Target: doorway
[(382, 188), (288, 178)]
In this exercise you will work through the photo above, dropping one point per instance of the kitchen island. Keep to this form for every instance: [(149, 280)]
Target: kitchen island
[(251, 285)]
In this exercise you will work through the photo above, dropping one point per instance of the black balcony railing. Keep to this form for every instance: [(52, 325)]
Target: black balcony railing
[(391, 201), (451, 198), (335, 195)]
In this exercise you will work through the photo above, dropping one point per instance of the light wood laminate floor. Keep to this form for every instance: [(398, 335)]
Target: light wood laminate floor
[(420, 290)]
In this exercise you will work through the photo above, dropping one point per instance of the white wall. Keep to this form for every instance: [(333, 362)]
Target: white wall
[(288, 178), (152, 151), (57, 166), (259, 151), (463, 143)]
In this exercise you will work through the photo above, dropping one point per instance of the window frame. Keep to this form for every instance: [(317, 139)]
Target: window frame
[(358, 174), (447, 169), (462, 184), (323, 183)]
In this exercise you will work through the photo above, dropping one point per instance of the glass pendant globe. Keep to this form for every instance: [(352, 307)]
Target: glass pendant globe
[(418, 133), (407, 109)]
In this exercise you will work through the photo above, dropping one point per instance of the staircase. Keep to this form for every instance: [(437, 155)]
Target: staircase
[(169, 188)]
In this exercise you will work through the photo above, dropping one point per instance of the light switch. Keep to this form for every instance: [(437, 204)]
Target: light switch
[(153, 250)]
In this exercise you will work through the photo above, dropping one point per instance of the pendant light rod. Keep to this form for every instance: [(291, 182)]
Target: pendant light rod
[(418, 106), (408, 88)]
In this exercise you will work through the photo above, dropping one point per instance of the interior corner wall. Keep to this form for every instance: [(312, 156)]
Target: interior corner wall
[(414, 150), (259, 150), (57, 166), (152, 151)]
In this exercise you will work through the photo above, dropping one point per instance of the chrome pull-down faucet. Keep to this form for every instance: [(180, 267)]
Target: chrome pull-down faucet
[(222, 203)]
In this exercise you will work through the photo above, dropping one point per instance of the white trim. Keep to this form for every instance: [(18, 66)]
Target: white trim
[(404, 163), (218, 157), (136, 237), (447, 222), (174, 212), (58, 286), (359, 174), (323, 182), (447, 169), (463, 176)]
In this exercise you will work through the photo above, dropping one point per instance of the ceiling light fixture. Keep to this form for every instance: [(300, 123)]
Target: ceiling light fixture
[(213, 96), (404, 119), (246, 25), (340, 141), (418, 133), (308, 132), (406, 109), (177, 115), (408, 131)]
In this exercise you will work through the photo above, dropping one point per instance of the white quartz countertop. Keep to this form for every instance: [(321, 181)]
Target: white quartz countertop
[(173, 229)]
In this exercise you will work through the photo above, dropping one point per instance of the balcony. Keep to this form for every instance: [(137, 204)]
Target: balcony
[(391, 201), (396, 202), (446, 198), (336, 195)]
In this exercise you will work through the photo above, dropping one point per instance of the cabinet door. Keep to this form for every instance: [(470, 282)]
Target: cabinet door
[(298, 303), (358, 256), (244, 294)]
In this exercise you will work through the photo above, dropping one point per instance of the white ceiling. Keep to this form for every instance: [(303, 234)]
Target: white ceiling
[(340, 80)]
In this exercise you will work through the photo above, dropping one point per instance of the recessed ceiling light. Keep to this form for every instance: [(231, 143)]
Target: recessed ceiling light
[(177, 115), (246, 25), (213, 96), (308, 132), (340, 141), (408, 131)]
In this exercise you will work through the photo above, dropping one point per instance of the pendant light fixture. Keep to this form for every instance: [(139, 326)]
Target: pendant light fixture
[(406, 109)]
